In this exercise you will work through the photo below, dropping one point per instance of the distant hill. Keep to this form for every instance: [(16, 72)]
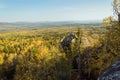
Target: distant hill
[(47, 23)]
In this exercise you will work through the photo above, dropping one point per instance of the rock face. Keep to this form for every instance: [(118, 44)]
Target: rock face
[(112, 73), (66, 43)]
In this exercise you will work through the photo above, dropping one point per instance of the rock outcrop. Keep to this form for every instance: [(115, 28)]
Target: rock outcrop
[(112, 73), (66, 43)]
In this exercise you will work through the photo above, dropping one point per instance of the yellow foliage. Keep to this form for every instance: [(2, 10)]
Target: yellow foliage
[(43, 50), (1, 59), (107, 21), (11, 57), (115, 1)]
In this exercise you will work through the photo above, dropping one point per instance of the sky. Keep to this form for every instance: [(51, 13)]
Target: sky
[(54, 10)]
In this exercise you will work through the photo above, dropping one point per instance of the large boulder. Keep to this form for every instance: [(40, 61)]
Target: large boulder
[(112, 73), (66, 43)]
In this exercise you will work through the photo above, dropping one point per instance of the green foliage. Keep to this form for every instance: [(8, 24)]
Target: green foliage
[(113, 40), (9, 49)]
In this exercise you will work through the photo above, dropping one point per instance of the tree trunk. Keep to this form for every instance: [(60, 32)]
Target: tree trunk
[(119, 18)]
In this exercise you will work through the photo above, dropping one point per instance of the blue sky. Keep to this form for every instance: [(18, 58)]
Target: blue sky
[(54, 10)]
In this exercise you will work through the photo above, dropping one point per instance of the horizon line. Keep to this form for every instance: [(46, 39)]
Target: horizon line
[(51, 21)]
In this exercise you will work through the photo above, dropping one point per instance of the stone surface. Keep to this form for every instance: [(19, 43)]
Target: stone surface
[(112, 73), (66, 43), (67, 40)]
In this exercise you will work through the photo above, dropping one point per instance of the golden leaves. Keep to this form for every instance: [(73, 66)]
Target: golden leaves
[(107, 21), (115, 1), (1, 59)]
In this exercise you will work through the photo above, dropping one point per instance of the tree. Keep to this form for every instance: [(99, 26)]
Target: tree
[(107, 21), (112, 38), (116, 8)]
